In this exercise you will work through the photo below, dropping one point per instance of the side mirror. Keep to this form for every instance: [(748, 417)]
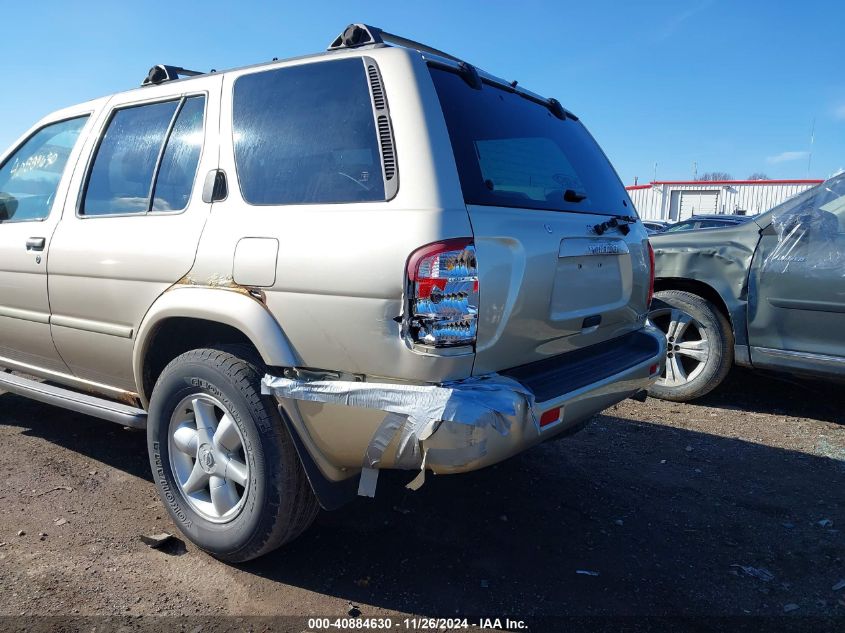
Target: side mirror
[(8, 206)]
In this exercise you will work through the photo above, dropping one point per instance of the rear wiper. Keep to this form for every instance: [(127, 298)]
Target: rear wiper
[(570, 195), (618, 221)]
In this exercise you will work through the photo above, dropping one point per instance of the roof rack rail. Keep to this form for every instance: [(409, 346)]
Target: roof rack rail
[(356, 35), (161, 73)]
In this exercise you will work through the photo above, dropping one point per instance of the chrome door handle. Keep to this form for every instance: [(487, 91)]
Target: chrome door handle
[(35, 244)]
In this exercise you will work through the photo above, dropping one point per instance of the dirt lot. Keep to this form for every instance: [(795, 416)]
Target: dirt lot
[(734, 506)]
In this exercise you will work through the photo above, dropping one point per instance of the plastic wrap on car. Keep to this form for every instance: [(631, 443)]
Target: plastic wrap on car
[(807, 238)]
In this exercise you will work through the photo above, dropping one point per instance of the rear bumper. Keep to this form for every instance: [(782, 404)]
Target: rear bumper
[(464, 425), (457, 448)]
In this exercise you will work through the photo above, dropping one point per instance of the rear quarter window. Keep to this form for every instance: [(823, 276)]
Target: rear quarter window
[(513, 152), (306, 135)]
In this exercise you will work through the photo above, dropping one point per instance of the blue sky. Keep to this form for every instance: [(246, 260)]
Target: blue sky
[(732, 86)]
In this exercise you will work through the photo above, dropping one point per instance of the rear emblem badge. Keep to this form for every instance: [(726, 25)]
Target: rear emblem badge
[(548, 228)]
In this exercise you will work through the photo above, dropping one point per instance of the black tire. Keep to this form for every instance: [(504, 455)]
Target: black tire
[(717, 331), (278, 504)]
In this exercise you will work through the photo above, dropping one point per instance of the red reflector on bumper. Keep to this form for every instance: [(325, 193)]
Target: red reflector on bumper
[(653, 369), (550, 417)]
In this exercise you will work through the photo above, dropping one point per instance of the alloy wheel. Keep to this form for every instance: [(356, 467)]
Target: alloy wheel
[(687, 344), (208, 459)]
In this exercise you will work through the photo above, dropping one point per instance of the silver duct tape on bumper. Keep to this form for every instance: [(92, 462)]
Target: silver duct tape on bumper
[(414, 413)]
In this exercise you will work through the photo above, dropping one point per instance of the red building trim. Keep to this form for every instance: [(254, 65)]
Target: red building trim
[(726, 182)]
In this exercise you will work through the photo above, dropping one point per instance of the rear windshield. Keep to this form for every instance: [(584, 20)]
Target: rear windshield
[(512, 152)]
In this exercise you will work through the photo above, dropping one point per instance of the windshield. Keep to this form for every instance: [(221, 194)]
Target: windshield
[(513, 152)]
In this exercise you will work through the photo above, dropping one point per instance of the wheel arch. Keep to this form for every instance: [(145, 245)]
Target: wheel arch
[(703, 290), (191, 317)]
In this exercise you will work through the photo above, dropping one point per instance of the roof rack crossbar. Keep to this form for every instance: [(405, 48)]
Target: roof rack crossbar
[(161, 73), (356, 35)]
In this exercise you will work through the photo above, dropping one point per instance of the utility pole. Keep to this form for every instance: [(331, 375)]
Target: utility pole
[(654, 178), (812, 141), (695, 170)]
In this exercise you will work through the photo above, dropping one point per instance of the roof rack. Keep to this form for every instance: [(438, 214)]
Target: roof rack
[(161, 73), (356, 35)]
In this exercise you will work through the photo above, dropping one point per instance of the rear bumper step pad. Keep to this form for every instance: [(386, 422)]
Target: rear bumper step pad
[(552, 377)]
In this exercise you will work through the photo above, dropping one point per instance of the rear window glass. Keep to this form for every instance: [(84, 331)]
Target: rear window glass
[(680, 226), (512, 152), (306, 134)]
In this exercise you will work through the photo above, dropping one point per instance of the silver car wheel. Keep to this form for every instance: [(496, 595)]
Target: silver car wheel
[(207, 458), (687, 344)]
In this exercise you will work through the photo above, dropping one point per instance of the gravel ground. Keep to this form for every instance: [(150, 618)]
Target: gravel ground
[(732, 506)]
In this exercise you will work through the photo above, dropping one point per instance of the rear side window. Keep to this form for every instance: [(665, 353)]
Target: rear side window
[(513, 152), (306, 135), (175, 179), (147, 160), (30, 177)]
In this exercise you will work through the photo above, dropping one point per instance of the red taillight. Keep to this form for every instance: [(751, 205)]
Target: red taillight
[(550, 417), (650, 273), (443, 294)]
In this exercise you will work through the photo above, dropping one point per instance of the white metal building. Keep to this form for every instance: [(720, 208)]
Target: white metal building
[(679, 199)]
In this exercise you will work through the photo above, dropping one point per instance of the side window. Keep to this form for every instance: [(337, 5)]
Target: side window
[(178, 170), (30, 177), (147, 159), (306, 134)]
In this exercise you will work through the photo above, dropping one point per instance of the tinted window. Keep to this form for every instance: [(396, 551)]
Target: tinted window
[(178, 170), (30, 177), (685, 225), (513, 152), (306, 134), (121, 179), (122, 175)]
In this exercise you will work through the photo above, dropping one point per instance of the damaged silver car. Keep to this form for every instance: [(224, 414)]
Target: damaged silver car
[(768, 294), (299, 273)]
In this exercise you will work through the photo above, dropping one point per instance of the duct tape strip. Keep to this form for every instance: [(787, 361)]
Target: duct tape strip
[(414, 411), (367, 482)]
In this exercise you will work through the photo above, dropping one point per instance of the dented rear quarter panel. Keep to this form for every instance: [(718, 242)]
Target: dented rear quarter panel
[(719, 257)]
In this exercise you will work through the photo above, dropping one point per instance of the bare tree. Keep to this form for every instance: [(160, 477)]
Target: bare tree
[(715, 175), (758, 176)]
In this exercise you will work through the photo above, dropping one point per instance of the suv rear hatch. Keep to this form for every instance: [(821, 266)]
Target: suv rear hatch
[(554, 277)]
